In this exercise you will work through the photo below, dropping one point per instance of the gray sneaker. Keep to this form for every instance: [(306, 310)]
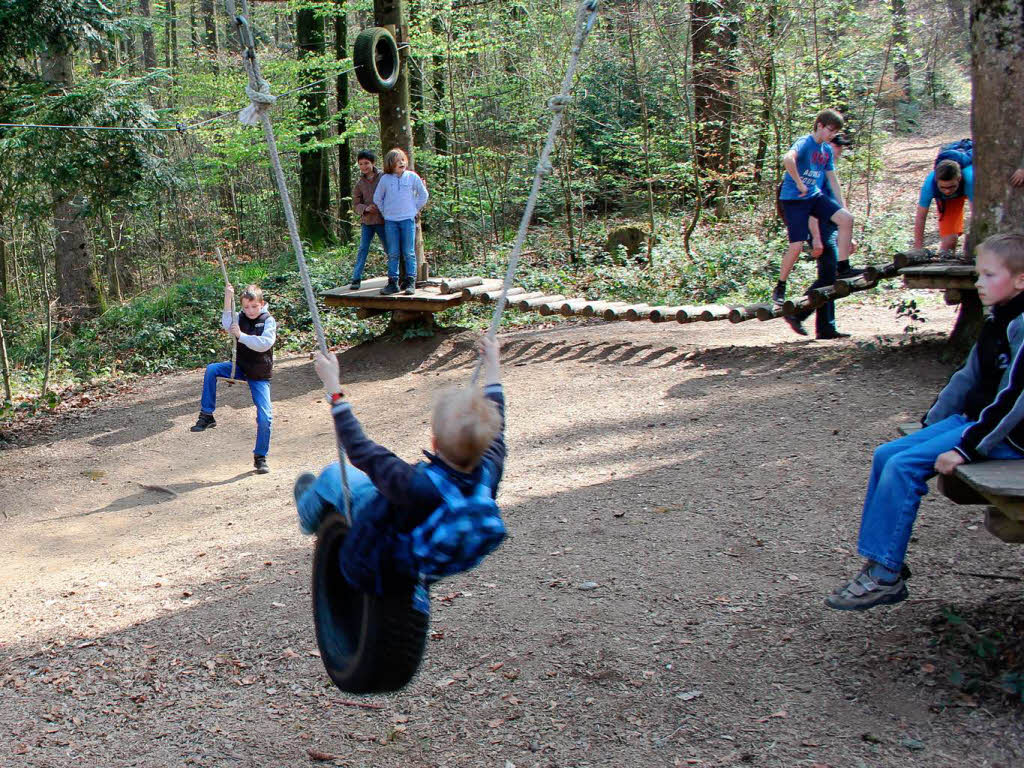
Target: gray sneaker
[(862, 592)]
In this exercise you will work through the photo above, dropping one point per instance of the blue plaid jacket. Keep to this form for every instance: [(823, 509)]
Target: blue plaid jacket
[(378, 555)]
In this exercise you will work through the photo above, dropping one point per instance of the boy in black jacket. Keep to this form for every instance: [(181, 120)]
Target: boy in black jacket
[(255, 332), (391, 497), (978, 415)]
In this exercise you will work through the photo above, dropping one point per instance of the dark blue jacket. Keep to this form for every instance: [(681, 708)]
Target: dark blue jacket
[(376, 555)]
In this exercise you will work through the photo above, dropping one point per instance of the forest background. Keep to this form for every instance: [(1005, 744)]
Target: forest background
[(680, 116)]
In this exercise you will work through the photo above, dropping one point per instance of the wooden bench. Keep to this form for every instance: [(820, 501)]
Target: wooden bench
[(998, 484)]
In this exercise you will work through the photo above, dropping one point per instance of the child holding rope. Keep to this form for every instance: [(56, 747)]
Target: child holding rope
[(255, 332), (390, 497), (400, 196), (978, 415)]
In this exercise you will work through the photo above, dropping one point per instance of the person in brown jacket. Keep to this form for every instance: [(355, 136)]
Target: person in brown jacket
[(369, 217)]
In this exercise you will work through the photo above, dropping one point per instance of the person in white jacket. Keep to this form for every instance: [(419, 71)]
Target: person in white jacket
[(400, 196)]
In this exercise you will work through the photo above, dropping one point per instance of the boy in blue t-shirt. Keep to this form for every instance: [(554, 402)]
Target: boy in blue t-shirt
[(948, 185), (809, 163)]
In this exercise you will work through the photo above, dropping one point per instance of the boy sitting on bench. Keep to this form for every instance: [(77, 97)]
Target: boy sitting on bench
[(978, 415)]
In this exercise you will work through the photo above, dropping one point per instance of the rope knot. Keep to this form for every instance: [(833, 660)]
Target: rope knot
[(544, 168), (259, 101), (558, 103)]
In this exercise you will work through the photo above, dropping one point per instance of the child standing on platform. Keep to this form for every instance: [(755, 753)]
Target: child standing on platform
[(400, 196), (255, 332), (370, 220)]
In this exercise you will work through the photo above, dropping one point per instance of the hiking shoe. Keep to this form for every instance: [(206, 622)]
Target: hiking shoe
[(848, 272), (303, 483), (260, 463), (796, 325), (408, 286), (354, 286), (832, 335), (779, 295), (205, 421), (390, 289), (862, 593)]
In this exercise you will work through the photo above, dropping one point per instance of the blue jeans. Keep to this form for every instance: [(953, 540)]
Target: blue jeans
[(260, 391), (825, 315), (365, 239), (400, 237), (899, 478), (313, 504)]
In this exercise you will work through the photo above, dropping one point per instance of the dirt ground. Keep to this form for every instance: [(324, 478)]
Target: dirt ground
[(154, 593)]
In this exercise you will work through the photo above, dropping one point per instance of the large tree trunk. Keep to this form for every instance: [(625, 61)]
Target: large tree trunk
[(148, 46), (997, 64), (440, 123), (314, 175), (345, 147), (714, 28), (210, 40), (900, 46), (76, 280), (416, 85)]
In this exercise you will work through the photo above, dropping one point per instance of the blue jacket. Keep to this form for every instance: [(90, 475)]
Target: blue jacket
[(377, 553), (989, 388)]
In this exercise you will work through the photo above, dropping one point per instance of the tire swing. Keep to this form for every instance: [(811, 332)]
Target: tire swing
[(368, 643), (375, 57)]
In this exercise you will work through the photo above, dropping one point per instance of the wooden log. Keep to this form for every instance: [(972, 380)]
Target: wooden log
[(596, 308), (666, 314), (454, 286), (638, 312), (907, 258), (740, 314), (513, 301), (707, 313), (842, 286), (525, 305), (767, 311), (474, 291), (572, 307), (620, 313), (493, 295)]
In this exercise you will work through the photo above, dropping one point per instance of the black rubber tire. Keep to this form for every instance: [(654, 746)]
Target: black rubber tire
[(367, 644), (375, 57)]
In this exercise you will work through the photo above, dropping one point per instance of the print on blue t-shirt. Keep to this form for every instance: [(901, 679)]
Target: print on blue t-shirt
[(812, 161)]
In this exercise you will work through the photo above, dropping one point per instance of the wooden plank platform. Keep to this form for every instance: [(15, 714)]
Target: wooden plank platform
[(428, 297), (941, 276)]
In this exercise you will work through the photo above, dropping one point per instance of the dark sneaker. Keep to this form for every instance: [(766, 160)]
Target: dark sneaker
[(355, 285), (302, 484), (832, 335), (796, 325), (260, 463), (205, 421), (390, 289), (849, 272), (862, 593), (779, 295), (408, 286)]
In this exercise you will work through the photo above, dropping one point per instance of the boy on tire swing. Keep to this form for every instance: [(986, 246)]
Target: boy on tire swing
[(392, 500), (809, 165)]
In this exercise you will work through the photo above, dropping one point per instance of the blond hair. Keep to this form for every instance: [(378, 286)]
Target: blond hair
[(253, 293), (464, 424), (391, 159), (1008, 247)]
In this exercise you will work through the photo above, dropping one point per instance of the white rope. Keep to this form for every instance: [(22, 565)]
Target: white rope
[(586, 15), (260, 100)]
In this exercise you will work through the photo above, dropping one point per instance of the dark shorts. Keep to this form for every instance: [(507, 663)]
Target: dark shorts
[(797, 212)]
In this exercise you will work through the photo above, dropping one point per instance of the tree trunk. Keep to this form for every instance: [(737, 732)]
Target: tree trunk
[(997, 65), (148, 45), (3, 261), (768, 95), (900, 45), (76, 281), (210, 40), (314, 174), (172, 33), (344, 148), (714, 28), (440, 124), (416, 86), (8, 397)]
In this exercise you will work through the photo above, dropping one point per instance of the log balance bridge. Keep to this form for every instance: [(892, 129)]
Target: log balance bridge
[(437, 294)]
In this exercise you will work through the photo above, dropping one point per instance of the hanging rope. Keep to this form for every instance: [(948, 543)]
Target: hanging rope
[(260, 101), (586, 15)]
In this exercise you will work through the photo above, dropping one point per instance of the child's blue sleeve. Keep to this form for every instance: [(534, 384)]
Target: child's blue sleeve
[(497, 450), (927, 192), (391, 475)]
